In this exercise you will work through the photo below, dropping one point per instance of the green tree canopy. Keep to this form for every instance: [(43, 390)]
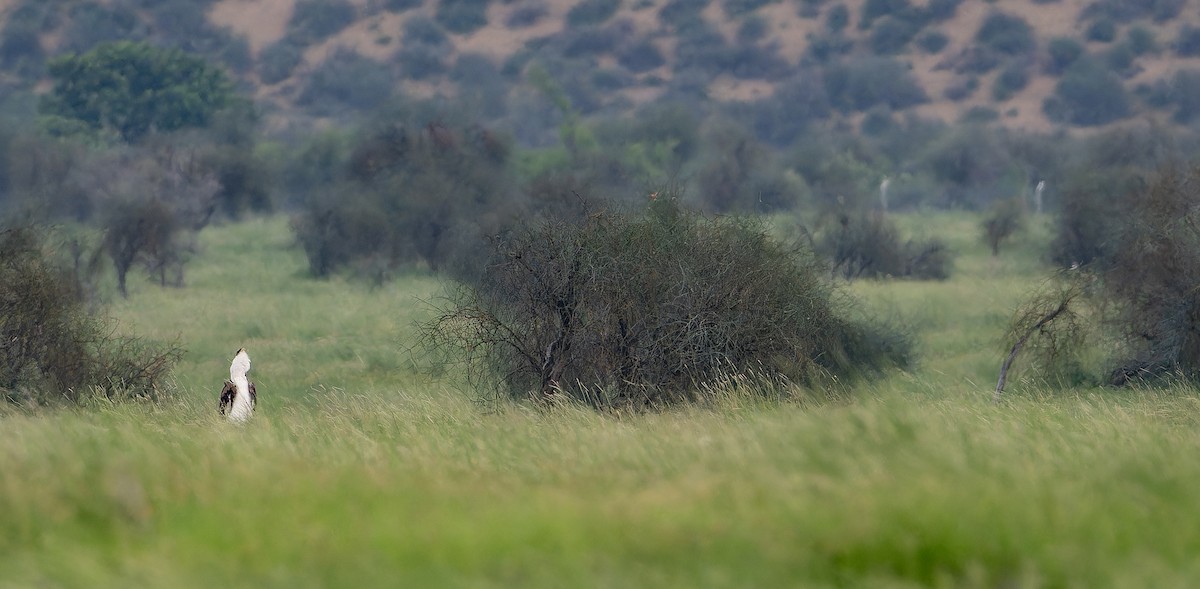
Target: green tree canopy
[(135, 88)]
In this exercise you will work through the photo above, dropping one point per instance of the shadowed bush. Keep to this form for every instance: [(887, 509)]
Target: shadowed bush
[(1152, 278), (408, 194), (1143, 293), (646, 310), (51, 349), (1088, 94), (868, 245)]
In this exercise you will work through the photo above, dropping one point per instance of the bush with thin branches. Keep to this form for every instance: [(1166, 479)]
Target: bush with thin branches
[(644, 310), (51, 349)]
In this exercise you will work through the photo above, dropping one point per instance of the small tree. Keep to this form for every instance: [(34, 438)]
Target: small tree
[(1006, 218), (133, 89), (619, 309)]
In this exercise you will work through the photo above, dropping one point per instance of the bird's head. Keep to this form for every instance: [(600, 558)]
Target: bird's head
[(240, 365)]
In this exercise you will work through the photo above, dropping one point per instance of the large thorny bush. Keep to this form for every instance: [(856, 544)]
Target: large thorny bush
[(648, 309)]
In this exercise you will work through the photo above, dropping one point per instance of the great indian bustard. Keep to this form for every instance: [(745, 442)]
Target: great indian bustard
[(238, 398)]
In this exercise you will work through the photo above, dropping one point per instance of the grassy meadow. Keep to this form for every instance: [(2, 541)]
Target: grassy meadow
[(363, 467)]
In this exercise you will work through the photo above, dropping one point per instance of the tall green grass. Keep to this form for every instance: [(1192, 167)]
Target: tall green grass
[(363, 469)]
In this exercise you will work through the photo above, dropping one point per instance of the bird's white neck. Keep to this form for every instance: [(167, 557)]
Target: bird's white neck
[(242, 405)]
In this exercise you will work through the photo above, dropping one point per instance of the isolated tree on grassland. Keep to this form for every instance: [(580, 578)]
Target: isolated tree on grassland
[(134, 88), (618, 309), (51, 348), (1006, 217)]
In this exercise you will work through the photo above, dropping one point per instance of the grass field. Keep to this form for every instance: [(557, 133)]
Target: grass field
[(361, 468)]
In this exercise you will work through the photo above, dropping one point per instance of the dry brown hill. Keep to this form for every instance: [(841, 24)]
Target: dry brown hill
[(791, 27)]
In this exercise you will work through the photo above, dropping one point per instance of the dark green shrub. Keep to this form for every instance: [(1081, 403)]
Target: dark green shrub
[(962, 89), (316, 165), (1185, 95), (972, 164), (422, 30), (1101, 30), (780, 119), (1129, 10), (739, 175), (878, 121), (652, 310), (1006, 34), (1142, 40), (933, 41), (1063, 52), (755, 62), (481, 86), (1087, 94), (346, 80), (874, 9), (868, 245), (753, 28), (526, 14), (278, 60), (979, 115), (861, 84), (314, 21), (939, 10), (837, 18), (1119, 58), (891, 35), (41, 15), (1012, 79), (702, 47), (735, 8), (233, 52), (400, 5), (682, 14), (51, 348), (1151, 280), (462, 16), (1005, 218), (41, 177), (245, 180), (1187, 44), (640, 56), (1090, 215), (592, 12), (21, 48), (977, 59), (93, 24), (823, 49), (407, 194), (421, 62), (589, 41)]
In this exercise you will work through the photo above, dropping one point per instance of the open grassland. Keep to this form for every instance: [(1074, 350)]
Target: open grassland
[(363, 469)]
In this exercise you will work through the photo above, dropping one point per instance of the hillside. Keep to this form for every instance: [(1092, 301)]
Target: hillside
[(329, 57)]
